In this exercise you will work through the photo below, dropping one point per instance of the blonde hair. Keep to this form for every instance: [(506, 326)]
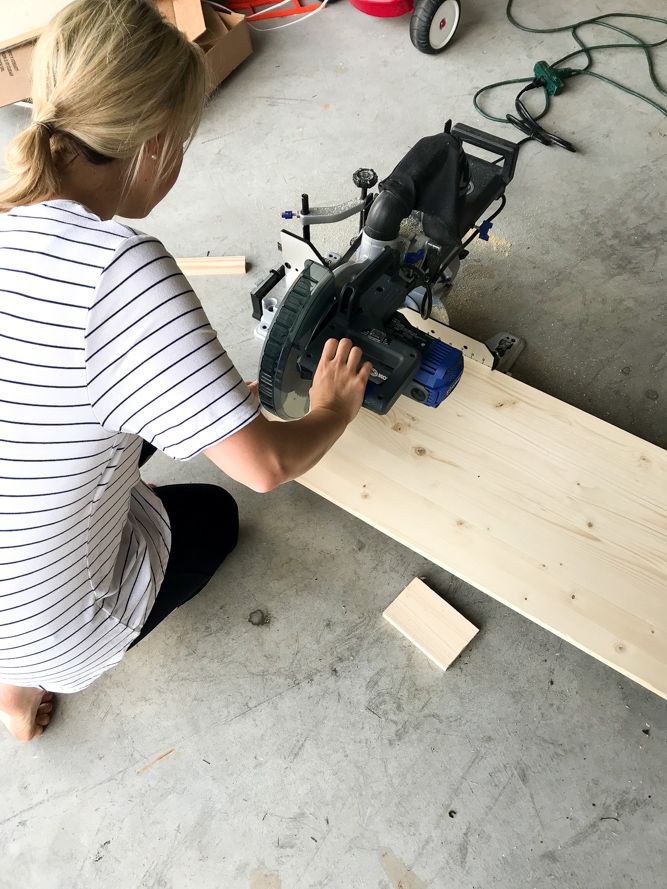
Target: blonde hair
[(108, 75)]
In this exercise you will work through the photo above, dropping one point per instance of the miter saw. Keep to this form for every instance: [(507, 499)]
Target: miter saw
[(413, 233)]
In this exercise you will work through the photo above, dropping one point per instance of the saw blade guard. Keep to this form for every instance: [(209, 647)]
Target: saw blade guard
[(284, 389)]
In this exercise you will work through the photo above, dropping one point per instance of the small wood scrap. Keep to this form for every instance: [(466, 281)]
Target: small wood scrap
[(430, 623), (149, 765), (212, 265)]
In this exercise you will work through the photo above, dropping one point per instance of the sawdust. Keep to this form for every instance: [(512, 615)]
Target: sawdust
[(410, 227), (478, 272), (500, 245), (399, 875), (440, 313)]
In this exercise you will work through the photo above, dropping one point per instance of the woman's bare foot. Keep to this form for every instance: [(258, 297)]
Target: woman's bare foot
[(25, 711)]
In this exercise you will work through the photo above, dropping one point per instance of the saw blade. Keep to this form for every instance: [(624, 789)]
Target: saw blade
[(283, 389)]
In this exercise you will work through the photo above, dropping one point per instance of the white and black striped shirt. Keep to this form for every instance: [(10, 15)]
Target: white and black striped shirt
[(102, 344)]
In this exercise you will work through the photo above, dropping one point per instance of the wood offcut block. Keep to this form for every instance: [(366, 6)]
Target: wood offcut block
[(212, 265), (430, 623)]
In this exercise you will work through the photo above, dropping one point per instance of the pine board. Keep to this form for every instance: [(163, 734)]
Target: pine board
[(212, 265), (430, 623), (553, 512)]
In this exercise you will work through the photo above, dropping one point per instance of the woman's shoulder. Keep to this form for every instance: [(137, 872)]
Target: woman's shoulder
[(54, 215), (69, 227)]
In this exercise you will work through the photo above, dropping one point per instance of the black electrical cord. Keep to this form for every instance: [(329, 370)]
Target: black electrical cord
[(414, 271), (529, 125), (552, 78)]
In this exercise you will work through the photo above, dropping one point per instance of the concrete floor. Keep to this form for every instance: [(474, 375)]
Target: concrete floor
[(323, 750)]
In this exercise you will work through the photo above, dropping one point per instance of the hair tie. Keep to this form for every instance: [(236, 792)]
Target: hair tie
[(47, 127)]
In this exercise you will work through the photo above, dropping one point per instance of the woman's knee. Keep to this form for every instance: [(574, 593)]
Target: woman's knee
[(204, 521), (224, 517)]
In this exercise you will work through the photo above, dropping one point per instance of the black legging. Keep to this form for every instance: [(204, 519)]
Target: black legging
[(204, 530)]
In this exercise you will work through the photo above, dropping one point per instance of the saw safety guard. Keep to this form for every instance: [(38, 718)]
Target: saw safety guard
[(283, 387)]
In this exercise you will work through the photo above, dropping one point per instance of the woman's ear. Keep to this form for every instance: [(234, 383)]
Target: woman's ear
[(153, 147)]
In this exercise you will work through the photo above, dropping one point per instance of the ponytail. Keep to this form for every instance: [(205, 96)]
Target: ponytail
[(31, 164)]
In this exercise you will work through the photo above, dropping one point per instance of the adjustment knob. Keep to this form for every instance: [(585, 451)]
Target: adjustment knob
[(365, 178)]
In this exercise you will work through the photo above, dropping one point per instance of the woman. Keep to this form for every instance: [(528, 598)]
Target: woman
[(104, 347)]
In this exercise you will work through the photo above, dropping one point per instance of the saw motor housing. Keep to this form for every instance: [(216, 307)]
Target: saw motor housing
[(408, 249)]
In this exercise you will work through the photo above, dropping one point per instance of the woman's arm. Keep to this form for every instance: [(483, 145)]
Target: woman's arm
[(266, 454)]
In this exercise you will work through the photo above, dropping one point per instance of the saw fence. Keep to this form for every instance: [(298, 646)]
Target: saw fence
[(555, 513)]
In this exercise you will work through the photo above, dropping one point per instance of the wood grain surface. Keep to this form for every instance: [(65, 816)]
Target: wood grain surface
[(212, 265), (430, 623), (551, 511)]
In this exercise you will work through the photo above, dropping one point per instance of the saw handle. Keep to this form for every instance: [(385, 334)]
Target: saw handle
[(509, 151)]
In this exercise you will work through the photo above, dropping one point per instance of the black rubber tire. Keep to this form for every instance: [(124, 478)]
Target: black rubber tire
[(420, 25)]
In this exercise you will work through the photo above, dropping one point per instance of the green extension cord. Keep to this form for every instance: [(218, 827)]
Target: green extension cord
[(552, 78)]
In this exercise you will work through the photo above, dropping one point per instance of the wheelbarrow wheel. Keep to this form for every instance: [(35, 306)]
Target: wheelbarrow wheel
[(434, 24)]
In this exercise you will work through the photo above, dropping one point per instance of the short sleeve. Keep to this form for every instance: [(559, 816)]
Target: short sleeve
[(154, 365)]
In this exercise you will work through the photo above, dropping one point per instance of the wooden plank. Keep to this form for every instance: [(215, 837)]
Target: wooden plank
[(430, 623), (23, 22), (553, 512), (212, 265)]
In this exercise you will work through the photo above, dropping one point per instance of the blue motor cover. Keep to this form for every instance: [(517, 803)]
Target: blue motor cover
[(440, 371)]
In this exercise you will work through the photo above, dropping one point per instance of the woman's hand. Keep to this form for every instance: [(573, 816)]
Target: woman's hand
[(264, 455), (340, 380)]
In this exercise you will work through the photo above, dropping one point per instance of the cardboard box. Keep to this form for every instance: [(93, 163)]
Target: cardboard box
[(24, 22), (224, 37), (187, 15), (15, 77), (226, 43)]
